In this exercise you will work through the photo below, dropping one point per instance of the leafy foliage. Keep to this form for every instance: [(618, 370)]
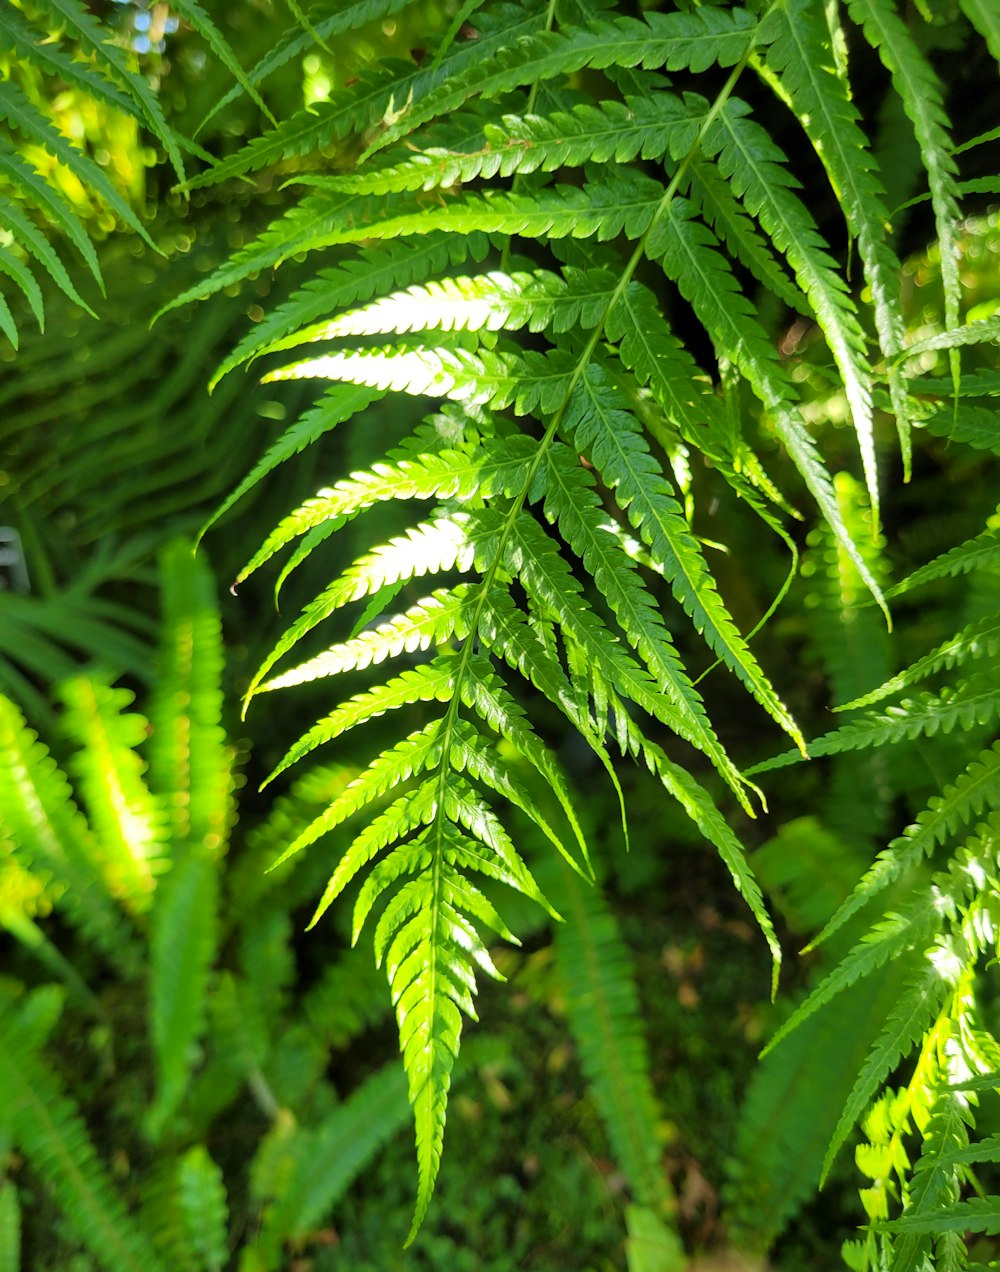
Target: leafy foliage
[(569, 230)]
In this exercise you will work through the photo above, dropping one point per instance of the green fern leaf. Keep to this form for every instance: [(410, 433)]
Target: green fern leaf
[(885, 941), (972, 701), (474, 146), (193, 13), (431, 621), (978, 640), (375, 96), (534, 560), (712, 195), (25, 177), (977, 787), (113, 62), (491, 302), (602, 428), (417, 752), (447, 475), (428, 549), (184, 942), (34, 243), (675, 41), (190, 765), (325, 1158), (756, 170), (801, 55), (980, 553), (971, 425), (986, 22), (202, 1197), (336, 405), (687, 250), (981, 331), (905, 1026), (701, 808), (38, 814), (128, 821), (10, 1228), (46, 1126), (936, 1184), (602, 1005), (979, 1214), (292, 44), (922, 96), (36, 48), (16, 269), (374, 270), (19, 112)]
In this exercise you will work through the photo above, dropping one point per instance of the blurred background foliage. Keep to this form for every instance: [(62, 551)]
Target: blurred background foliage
[(272, 1131)]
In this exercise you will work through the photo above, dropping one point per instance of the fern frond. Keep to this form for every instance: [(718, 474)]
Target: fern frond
[(980, 331), (885, 941), (978, 1214), (19, 112), (673, 41), (292, 44), (324, 1159), (71, 16), (184, 942), (756, 169), (905, 1026), (688, 252), (602, 1005), (792, 1104), (202, 1198), (127, 819), (610, 131), (978, 640), (188, 757), (976, 788), (431, 621), (374, 270), (971, 425), (38, 814), (47, 1127), (375, 96), (936, 1181), (980, 553), (34, 244), (445, 475), (970, 702), (491, 302), (985, 21), (32, 186), (602, 427), (800, 54), (922, 96), (429, 548), (534, 559)]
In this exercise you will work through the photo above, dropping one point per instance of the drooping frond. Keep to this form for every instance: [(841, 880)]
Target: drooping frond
[(801, 57), (545, 232)]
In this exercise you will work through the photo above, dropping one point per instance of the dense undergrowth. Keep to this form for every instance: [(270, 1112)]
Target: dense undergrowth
[(592, 370)]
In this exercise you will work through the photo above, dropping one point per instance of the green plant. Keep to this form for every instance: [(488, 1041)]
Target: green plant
[(581, 229), (681, 194), (132, 858)]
